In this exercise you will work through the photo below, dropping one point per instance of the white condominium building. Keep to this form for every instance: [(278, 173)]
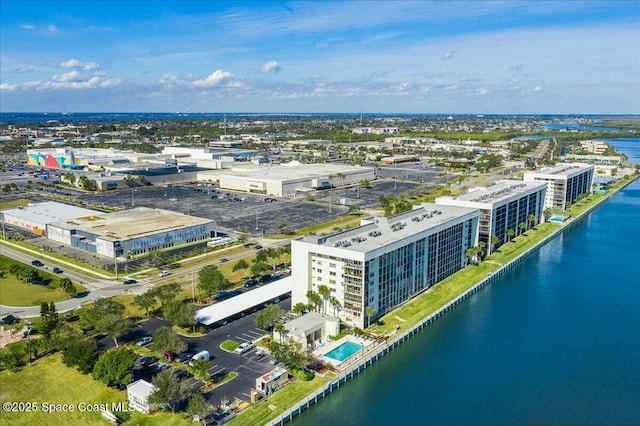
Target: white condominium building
[(565, 183), (384, 262), (503, 207)]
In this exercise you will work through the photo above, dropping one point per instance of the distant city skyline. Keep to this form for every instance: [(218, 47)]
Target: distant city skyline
[(458, 57)]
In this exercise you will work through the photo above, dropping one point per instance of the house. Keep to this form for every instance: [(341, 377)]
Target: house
[(270, 382), (138, 394), (309, 328)]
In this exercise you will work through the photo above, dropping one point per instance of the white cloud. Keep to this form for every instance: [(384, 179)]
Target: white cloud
[(23, 69), (481, 92), (539, 89), (28, 27), (112, 82), (52, 28), (321, 45), (81, 84), (448, 55), (74, 63), (4, 87), (69, 76), (214, 79), (271, 66)]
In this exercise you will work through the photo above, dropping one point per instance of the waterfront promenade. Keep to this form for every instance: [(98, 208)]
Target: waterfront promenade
[(375, 352)]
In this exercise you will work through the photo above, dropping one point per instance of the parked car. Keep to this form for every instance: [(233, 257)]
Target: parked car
[(57, 270), (183, 357), (165, 273), (265, 279), (244, 348), (258, 247), (129, 281), (71, 316), (223, 260), (37, 263), (200, 355), (148, 360), (250, 283), (144, 341)]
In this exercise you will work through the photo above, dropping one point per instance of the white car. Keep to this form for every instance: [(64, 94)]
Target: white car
[(165, 273), (244, 348)]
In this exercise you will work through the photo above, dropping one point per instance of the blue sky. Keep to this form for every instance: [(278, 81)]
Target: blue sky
[(481, 57)]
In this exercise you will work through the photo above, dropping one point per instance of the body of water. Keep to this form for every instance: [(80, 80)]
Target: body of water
[(556, 341)]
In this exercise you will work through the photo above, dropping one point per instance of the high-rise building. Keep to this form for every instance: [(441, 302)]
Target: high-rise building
[(503, 207), (384, 262), (565, 182)]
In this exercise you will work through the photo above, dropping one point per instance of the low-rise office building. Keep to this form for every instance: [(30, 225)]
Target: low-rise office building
[(131, 232), (35, 217), (565, 182), (384, 262), (503, 207)]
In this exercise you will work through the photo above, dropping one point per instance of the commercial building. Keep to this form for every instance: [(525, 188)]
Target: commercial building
[(503, 207), (36, 217), (286, 179), (384, 262), (309, 328), (131, 232), (594, 147), (565, 183)]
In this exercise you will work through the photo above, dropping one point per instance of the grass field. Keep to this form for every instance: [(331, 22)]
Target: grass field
[(279, 401), (14, 292)]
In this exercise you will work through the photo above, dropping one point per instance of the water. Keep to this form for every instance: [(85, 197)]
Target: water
[(344, 351), (557, 341)]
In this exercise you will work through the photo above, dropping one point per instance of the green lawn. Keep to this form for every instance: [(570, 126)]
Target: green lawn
[(280, 401), (14, 292), (229, 345), (6, 205)]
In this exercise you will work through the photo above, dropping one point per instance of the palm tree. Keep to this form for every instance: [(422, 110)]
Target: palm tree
[(494, 240), (522, 227), (369, 311), (510, 233), (481, 247), (335, 303), (471, 251), (546, 213), (314, 299), (299, 308), (281, 330), (530, 220), (324, 291)]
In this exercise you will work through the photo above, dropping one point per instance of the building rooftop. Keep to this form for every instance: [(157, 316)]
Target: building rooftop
[(133, 223), (562, 169), (49, 212), (504, 189), (294, 170), (380, 231), (307, 322)]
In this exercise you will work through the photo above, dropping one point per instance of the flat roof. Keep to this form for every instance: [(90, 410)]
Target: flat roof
[(562, 169), (307, 322), (502, 190), (133, 223), (381, 231), (247, 300), (49, 212), (294, 170)]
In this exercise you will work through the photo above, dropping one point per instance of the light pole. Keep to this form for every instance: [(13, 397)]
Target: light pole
[(133, 201), (257, 221)]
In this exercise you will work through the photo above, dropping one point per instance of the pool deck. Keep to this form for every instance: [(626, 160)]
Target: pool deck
[(330, 345)]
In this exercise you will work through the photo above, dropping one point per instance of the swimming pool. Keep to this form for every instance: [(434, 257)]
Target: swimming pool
[(558, 219), (344, 351)]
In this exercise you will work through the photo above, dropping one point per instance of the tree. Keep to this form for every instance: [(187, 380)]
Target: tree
[(113, 368), (510, 233), (11, 357), (157, 258), (292, 353), (201, 369), (281, 330), (282, 226), (494, 240), (299, 308), (470, 253), (314, 299), (333, 301), (241, 265), (165, 293), (522, 226), (80, 353), (259, 267), (107, 316), (165, 339), (531, 220), (354, 209), (198, 406), (67, 286), (481, 246), (211, 280), (369, 311), (324, 292), (546, 213), (266, 317), (114, 325), (50, 318), (169, 389), (179, 313), (145, 301)]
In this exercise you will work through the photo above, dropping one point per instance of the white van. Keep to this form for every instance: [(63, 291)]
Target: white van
[(199, 355)]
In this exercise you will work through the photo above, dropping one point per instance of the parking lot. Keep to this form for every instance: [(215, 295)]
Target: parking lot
[(248, 366)]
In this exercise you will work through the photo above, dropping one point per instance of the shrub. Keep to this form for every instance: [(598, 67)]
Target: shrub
[(301, 374)]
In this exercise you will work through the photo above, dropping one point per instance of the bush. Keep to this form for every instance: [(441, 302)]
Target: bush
[(301, 374), (357, 331)]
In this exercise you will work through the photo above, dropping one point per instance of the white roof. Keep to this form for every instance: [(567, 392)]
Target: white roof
[(49, 212), (222, 310), (141, 388)]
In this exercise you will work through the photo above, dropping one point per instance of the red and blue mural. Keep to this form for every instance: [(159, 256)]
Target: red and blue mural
[(63, 161)]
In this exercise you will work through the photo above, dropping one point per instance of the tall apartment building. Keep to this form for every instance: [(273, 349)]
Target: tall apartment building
[(565, 183), (502, 206), (384, 262)]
